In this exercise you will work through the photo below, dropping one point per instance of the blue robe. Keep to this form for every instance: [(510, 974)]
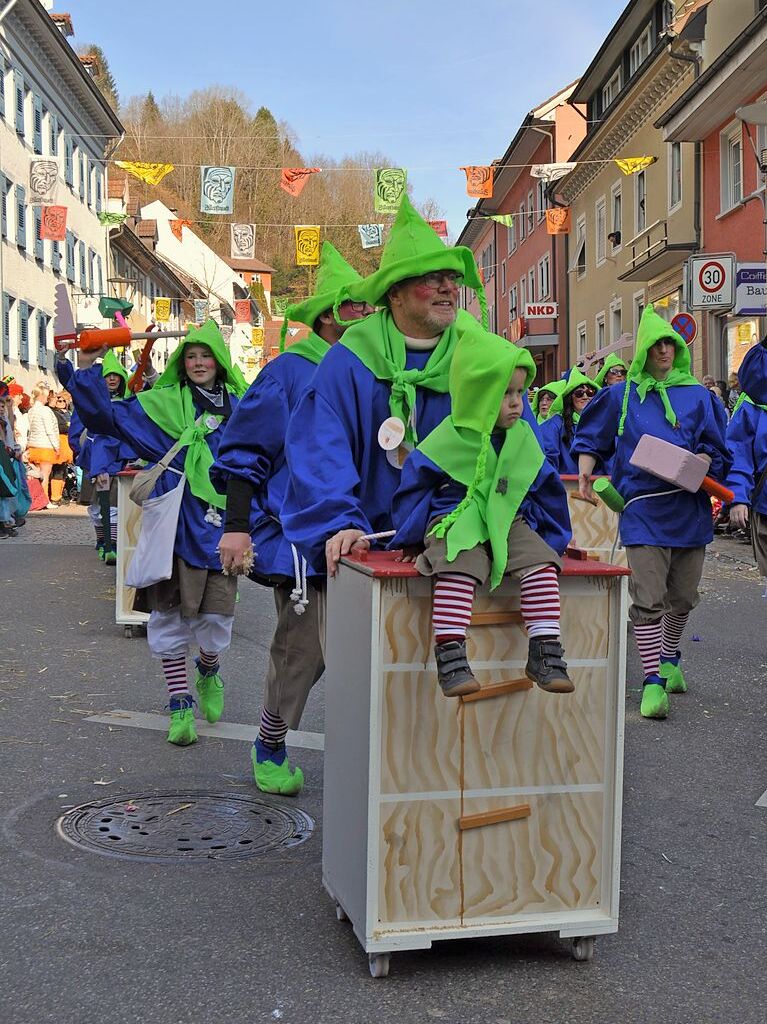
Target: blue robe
[(339, 476), (752, 373), (253, 448), (680, 520), (196, 540), (747, 443), (426, 492), (555, 448)]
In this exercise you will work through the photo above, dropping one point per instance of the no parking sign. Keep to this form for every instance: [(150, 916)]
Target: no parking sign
[(686, 326)]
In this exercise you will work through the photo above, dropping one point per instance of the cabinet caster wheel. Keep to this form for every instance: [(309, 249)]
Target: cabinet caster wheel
[(379, 965), (341, 913), (583, 948), (128, 632)]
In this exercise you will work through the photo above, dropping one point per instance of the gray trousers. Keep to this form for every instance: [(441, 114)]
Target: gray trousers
[(663, 581), (296, 657)]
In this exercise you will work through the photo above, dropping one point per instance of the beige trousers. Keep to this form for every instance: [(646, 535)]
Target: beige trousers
[(296, 657), (663, 580)]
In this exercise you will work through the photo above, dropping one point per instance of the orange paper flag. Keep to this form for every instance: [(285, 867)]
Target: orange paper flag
[(293, 179), (242, 311), (479, 182), (177, 226), (559, 220), (53, 223)]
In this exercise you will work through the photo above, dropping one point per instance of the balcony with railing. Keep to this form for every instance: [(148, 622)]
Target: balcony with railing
[(650, 253)]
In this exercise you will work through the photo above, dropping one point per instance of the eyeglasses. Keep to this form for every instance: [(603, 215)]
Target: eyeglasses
[(437, 277), (357, 307), (616, 371), (583, 392)]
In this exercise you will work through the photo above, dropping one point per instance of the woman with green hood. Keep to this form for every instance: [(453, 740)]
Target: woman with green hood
[(479, 493), (544, 398), (558, 429), (195, 395), (613, 371), (664, 529)]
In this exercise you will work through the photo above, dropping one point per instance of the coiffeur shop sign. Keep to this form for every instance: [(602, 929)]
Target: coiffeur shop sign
[(751, 289)]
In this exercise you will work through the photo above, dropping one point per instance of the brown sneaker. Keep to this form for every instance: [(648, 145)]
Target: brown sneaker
[(453, 670), (546, 665)]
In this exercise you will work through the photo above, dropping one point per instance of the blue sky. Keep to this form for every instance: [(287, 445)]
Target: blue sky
[(427, 82)]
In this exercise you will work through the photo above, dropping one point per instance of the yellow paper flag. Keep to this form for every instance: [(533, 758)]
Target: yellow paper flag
[(161, 310), (307, 245), (632, 164), (152, 174), (257, 337)]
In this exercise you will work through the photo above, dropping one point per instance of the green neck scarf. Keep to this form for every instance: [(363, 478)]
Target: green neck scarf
[(743, 397), (172, 408), (381, 347), (647, 383), (312, 348), (497, 485)]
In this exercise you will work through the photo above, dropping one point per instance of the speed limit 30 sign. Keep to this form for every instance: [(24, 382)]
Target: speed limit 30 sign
[(711, 281)]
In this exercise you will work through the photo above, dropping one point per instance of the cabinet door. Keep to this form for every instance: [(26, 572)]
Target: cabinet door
[(548, 862)]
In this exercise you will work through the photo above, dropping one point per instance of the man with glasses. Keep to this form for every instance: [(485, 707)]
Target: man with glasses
[(251, 468), (384, 386)]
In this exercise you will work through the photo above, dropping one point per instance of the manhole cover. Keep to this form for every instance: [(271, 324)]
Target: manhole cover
[(173, 827)]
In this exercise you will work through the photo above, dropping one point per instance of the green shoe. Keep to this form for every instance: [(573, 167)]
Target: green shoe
[(272, 771), (654, 699), (100, 551), (182, 731), (671, 672), (110, 557), (210, 690)]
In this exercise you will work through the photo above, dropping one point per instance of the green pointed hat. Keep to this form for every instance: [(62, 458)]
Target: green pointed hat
[(553, 387), (574, 380), (111, 364), (333, 274), (651, 329), (480, 372), (210, 335), (414, 248), (612, 360)]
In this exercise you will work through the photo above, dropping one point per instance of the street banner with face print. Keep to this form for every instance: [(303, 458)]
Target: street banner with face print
[(293, 179), (200, 311), (242, 311), (53, 223), (371, 235), (307, 245), (217, 189), (43, 175), (242, 241), (390, 185), (559, 220), (161, 310), (479, 182), (177, 226)]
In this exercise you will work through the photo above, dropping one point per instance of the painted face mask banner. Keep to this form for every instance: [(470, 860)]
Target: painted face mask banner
[(53, 223), (242, 311), (177, 226), (243, 241), (551, 172), (200, 311), (293, 179), (43, 175), (162, 310), (217, 189), (559, 220), (390, 185), (371, 235), (479, 182), (307, 245)]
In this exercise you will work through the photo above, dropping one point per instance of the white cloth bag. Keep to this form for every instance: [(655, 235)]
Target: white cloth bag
[(152, 560)]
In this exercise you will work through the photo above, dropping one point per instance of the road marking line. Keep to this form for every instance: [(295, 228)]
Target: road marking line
[(762, 801), (221, 730)]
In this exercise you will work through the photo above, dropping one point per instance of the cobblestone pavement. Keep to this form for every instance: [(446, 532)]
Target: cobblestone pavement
[(67, 524)]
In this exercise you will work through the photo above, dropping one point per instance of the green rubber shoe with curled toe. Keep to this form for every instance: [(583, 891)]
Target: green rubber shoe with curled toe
[(654, 698), (272, 771), (210, 690), (181, 731), (671, 672), (110, 557)]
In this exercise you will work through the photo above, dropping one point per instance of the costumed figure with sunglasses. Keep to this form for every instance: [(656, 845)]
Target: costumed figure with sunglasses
[(558, 429), (747, 443), (197, 393), (251, 468), (613, 371), (664, 528), (480, 500), (543, 399)]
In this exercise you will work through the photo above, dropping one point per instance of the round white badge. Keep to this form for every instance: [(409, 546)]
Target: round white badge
[(391, 434), (211, 422)]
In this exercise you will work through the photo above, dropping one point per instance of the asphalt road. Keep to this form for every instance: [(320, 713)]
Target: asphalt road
[(87, 938)]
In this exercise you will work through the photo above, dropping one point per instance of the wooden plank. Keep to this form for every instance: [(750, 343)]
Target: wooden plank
[(468, 821), (495, 618), (498, 690)]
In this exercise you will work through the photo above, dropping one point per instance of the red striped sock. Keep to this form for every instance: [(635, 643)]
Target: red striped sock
[(453, 600), (672, 627), (174, 670), (539, 602), (648, 642)]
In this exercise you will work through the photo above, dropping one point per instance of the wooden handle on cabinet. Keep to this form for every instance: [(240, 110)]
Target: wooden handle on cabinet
[(468, 821)]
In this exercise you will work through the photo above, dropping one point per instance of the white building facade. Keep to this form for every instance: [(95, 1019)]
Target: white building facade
[(49, 107)]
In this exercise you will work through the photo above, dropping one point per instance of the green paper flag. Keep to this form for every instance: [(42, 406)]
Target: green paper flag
[(390, 185), (507, 219), (111, 220)]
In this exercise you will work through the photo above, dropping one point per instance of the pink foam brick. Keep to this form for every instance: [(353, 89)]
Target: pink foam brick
[(669, 462)]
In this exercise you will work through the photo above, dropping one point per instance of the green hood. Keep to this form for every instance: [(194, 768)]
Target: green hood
[(612, 360), (111, 364), (413, 248), (333, 274), (480, 372), (496, 484), (574, 380), (210, 335), (553, 388), (651, 329)]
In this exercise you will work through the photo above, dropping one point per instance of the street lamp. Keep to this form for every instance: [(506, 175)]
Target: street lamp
[(756, 113)]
